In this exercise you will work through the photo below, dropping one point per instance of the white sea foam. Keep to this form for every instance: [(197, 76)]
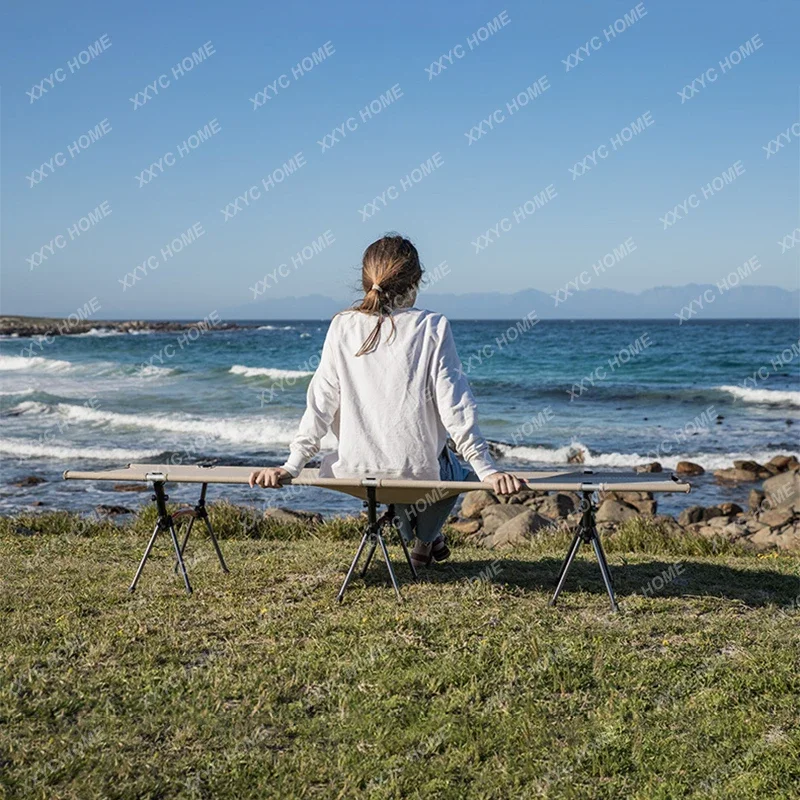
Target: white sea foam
[(275, 327), (153, 371), (268, 372), (33, 362), (33, 449), (242, 430), (100, 332), (18, 392), (769, 397), (560, 456)]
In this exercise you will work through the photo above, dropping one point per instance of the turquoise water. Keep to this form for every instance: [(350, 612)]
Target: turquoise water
[(649, 391)]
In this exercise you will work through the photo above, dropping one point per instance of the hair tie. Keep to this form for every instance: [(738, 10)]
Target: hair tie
[(377, 287)]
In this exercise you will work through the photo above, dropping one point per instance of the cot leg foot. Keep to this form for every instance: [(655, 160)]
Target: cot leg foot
[(353, 566)]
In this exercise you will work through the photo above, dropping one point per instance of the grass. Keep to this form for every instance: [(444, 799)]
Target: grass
[(260, 685)]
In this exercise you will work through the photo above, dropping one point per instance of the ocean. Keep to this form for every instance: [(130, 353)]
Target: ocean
[(615, 394)]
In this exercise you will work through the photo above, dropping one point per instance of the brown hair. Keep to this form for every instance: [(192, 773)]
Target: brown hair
[(390, 273)]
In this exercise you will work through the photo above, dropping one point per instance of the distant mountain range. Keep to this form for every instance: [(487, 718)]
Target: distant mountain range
[(692, 302)]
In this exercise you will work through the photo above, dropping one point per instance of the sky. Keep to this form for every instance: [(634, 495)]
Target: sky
[(648, 73)]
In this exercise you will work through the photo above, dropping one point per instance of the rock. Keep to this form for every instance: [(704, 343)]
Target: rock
[(755, 499), (467, 526), (719, 522), (517, 530), (474, 502), (730, 509), (711, 512), (494, 516), (653, 466), (783, 491), (668, 523), (762, 540), (737, 475), (615, 511), (557, 506), (790, 539), (777, 517), (291, 515), (130, 487), (643, 502), (750, 466), (688, 468), (691, 515), (30, 480), (575, 457), (110, 511)]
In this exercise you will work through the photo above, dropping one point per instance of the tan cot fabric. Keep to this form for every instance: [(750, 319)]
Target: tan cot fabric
[(390, 490)]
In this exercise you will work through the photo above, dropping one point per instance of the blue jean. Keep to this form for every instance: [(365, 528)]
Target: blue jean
[(425, 521)]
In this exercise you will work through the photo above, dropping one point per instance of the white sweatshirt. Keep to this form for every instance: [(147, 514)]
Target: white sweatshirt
[(392, 409)]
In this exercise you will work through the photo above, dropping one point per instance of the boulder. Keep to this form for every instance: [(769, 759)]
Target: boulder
[(711, 512), (790, 539), (110, 510), (467, 526), (777, 517), (30, 480), (474, 502), (737, 475), (668, 523), (557, 506), (691, 515), (755, 499), (494, 516), (643, 502), (575, 457), (688, 468), (291, 515), (783, 491), (749, 465), (615, 511), (518, 529), (762, 540), (653, 466)]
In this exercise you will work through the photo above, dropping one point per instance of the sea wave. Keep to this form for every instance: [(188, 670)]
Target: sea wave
[(275, 328), (769, 397), (243, 430), (18, 392), (100, 332), (33, 362), (562, 456), (33, 449), (268, 372)]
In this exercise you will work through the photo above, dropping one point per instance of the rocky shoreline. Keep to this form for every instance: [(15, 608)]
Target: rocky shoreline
[(67, 326), (771, 521)]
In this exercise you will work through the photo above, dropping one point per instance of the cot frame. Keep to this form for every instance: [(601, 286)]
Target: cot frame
[(387, 491)]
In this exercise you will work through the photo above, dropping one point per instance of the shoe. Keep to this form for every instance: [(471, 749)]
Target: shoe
[(421, 555), (439, 550)]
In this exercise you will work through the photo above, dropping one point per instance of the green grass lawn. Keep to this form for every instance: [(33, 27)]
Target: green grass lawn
[(260, 685)]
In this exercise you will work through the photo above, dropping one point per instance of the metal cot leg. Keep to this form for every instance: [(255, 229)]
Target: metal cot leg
[(587, 532)]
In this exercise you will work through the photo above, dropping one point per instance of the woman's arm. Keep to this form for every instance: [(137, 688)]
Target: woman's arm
[(456, 404), (322, 403)]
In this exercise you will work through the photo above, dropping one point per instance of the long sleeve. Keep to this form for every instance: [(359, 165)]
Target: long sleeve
[(322, 403), (457, 408)]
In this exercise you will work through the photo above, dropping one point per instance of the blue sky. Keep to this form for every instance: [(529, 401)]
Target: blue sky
[(377, 46)]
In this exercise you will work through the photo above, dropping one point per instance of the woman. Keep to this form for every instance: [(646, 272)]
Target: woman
[(391, 388)]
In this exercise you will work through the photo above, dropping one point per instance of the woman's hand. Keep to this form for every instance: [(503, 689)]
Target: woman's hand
[(504, 483), (269, 478)]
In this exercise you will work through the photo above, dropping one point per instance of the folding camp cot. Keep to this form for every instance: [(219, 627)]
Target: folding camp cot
[(382, 491)]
